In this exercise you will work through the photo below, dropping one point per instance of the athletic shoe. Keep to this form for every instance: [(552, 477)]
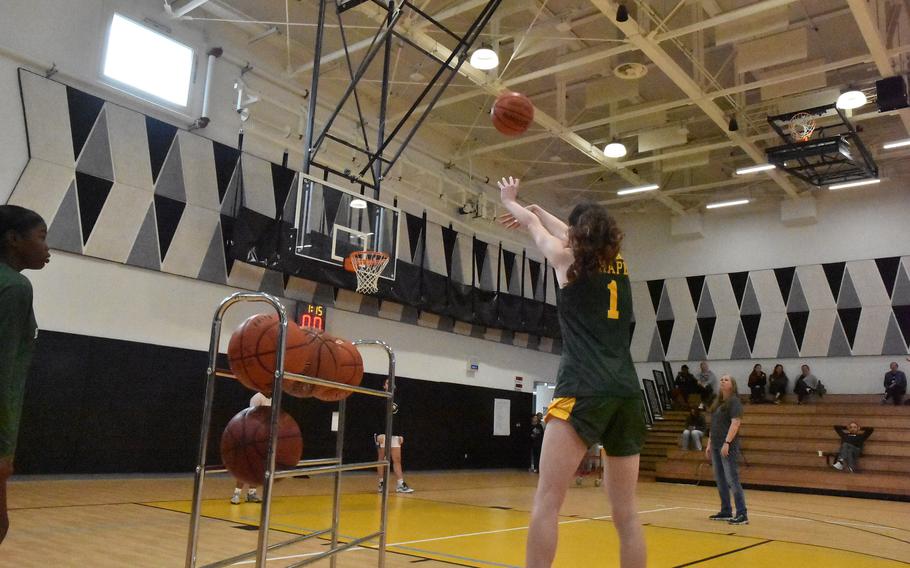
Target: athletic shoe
[(251, 497), (739, 520), (235, 499), (379, 490), (403, 488), (838, 465), (721, 517)]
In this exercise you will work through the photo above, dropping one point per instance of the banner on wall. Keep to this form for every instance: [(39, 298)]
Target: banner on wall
[(502, 409)]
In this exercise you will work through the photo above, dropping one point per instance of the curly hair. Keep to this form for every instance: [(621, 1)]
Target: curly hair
[(594, 238), (17, 219)]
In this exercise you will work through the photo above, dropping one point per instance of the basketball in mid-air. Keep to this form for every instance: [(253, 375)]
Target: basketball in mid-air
[(512, 113)]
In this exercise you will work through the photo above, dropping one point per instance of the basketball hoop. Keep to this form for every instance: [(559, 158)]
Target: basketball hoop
[(368, 265), (802, 125)]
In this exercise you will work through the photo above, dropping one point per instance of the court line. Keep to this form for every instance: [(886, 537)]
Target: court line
[(722, 554)]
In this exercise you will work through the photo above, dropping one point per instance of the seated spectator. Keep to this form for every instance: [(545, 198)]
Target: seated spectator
[(757, 381), (778, 384), (806, 385), (685, 385), (851, 446), (695, 430), (707, 384), (895, 385)]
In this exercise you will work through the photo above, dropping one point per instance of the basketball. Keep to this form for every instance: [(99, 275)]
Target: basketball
[(245, 443), (348, 369), (313, 347), (252, 348), (512, 113)]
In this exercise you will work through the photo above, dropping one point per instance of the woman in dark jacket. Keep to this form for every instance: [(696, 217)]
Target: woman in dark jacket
[(778, 386), (757, 381)]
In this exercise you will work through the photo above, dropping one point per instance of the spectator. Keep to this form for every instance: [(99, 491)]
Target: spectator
[(707, 382), (806, 384), (757, 381), (695, 430), (258, 399), (895, 385), (778, 386), (536, 442), (723, 449), (851, 446), (685, 385)]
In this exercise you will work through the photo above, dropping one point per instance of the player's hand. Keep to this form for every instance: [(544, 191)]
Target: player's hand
[(508, 221), (725, 450), (708, 452), (508, 189)]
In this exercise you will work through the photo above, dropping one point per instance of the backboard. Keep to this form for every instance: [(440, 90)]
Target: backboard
[(332, 222)]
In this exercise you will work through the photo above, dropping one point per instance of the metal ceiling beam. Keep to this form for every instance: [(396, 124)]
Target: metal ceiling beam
[(184, 9), (494, 87), (681, 79), (871, 35)]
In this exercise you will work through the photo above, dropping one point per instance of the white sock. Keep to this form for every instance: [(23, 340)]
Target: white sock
[(236, 491), (400, 482)]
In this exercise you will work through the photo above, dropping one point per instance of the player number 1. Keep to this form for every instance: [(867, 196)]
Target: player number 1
[(613, 312)]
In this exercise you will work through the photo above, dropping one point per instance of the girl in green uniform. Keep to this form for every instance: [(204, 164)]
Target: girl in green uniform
[(22, 246), (597, 397)]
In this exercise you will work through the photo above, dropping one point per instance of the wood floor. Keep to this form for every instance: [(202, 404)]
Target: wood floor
[(455, 518)]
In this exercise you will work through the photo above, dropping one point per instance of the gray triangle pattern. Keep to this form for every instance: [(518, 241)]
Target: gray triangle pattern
[(750, 305), (664, 309), (894, 341), (65, 232), (740, 345), (839, 346), (170, 180), (706, 304), (848, 298), (145, 248), (901, 294), (697, 351), (213, 267), (272, 283), (230, 205), (797, 301), (787, 349), (656, 352), (95, 158)]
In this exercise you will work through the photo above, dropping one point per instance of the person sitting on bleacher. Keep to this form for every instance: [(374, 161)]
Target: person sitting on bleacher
[(778, 386), (685, 385), (757, 381), (806, 385), (695, 430), (851, 446)]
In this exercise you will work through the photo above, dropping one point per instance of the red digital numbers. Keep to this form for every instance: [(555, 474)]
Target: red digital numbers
[(312, 316)]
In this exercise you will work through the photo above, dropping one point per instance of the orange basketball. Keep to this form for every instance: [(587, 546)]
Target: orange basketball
[(348, 369), (512, 113), (252, 350), (245, 443)]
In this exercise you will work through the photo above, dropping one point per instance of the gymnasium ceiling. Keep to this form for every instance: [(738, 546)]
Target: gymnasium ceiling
[(705, 59)]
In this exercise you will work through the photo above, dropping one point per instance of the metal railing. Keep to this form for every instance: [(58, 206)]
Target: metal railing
[(333, 465)]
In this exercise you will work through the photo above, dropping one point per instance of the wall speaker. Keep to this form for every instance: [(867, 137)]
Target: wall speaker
[(891, 93)]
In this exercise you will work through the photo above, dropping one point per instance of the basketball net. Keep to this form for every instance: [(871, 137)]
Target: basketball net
[(368, 265), (802, 125)]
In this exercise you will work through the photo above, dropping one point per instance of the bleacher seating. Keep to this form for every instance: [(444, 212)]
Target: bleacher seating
[(781, 443)]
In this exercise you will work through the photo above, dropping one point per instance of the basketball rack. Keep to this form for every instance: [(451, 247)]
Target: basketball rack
[(332, 465)]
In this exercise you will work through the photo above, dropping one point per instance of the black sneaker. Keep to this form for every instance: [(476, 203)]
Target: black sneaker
[(721, 517), (739, 520)]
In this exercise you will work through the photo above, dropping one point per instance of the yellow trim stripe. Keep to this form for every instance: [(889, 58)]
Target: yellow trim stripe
[(560, 407)]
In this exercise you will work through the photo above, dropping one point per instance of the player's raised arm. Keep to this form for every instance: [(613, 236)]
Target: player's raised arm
[(553, 248)]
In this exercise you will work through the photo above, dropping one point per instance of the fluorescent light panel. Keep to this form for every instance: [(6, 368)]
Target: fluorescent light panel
[(754, 169), (720, 204), (896, 144), (849, 184), (630, 190)]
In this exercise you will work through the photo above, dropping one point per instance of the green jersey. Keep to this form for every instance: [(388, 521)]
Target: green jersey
[(595, 314), (17, 343)]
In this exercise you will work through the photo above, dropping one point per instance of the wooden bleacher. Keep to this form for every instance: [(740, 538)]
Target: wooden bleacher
[(780, 446), (662, 439)]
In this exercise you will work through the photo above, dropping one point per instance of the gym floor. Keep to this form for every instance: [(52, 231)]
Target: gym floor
[(453, 518)]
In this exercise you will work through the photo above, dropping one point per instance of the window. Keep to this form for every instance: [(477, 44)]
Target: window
[(146, 62)]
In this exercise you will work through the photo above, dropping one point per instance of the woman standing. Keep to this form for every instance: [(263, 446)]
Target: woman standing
[(23, 246), (723, 450), (597, 397), (536, 442)]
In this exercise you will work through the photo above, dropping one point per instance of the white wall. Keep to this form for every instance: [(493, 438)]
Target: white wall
[(852, 225), (88, 296)]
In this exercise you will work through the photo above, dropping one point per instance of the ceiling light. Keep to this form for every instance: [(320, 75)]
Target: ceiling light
[(896, 144), (622, 13), (358, 203), (850, 184), (754, 169), (851, 99), (733, 126), (615, 149), (639, 189), (484, 58), (726, 203)]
